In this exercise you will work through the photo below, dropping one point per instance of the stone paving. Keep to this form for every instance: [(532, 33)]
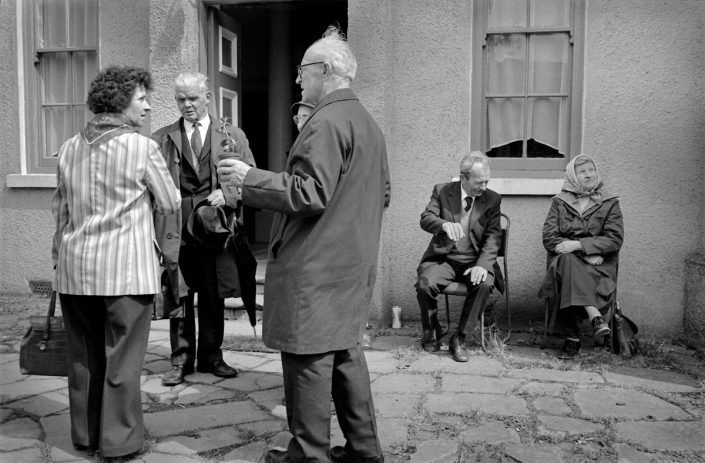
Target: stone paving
[(429, 409)]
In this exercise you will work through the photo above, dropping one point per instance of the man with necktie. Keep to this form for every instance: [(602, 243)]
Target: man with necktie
[(464, 218), (192, 146)]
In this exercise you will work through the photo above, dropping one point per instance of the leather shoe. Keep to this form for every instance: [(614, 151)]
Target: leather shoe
[(457, 348), (338, 455), (275, 456), (428, 341), (176, 375), (219, 368)]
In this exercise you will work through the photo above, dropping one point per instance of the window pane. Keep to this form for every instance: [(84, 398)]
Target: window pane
[(548, 135), (227, 53), (227, 107), (54, 22), (58, 125), (549, 55), (505, 124), (549, 13), (85, 68), (506, 13), (56, 78), (83, 23), (506, 57)]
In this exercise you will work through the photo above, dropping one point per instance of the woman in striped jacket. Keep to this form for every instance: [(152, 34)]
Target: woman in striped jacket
[(109, 179)]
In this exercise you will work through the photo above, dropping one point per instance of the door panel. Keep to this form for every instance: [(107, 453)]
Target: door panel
[(224, 64)]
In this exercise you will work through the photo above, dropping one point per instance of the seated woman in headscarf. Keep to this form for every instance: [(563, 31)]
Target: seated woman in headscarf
[(583, 233)]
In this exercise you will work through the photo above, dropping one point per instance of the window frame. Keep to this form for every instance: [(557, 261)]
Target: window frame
[(33, 134), (534, 168)]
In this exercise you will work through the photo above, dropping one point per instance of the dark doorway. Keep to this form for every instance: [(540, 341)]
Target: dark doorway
[(273, 39)]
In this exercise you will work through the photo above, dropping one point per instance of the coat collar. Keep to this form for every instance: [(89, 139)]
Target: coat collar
[(334, 96)]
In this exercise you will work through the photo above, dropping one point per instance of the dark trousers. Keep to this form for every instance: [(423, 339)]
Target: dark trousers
[(107, 340), (433, 279), (199, 270), (309, 381)]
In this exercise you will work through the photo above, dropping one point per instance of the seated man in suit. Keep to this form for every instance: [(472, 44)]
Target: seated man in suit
[(464, 218)]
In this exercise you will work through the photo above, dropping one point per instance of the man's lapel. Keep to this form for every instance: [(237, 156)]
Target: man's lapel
[(454, 196), (478, 208)]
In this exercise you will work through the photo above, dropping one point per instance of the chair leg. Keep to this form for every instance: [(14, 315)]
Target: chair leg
[(482, 332), (545, 325)]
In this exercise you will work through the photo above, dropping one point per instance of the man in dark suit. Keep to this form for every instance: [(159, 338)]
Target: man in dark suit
[(192, 146), (322, 261), (464, 218)]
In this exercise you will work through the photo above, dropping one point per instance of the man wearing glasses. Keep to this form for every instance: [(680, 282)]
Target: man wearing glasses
[(301, 110), (323, 257)]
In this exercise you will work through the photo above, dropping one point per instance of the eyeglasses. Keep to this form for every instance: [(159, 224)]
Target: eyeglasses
[(299, 119), (300, 66)]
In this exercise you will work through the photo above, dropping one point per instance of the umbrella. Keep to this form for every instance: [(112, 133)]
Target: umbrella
[(246, 269)]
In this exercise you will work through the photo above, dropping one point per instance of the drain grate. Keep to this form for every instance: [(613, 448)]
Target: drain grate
[(42, 287)]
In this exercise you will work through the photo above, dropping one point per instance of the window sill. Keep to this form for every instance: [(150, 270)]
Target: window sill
[(526, 186), (31, 180)]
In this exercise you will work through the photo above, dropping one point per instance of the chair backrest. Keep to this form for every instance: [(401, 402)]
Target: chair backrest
[(505, 236)]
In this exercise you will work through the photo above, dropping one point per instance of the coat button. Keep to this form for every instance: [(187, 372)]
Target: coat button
[(169, 236)]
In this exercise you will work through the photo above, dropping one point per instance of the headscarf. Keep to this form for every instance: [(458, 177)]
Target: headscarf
[(572, 185)]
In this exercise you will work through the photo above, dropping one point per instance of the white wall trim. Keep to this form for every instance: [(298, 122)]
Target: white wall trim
[(31, 180), (21, 89), (526, 186)]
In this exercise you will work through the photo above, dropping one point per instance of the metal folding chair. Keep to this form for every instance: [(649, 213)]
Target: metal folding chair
[(460, 289)]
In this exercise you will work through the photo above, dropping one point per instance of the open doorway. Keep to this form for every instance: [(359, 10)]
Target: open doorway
[(271, 41)]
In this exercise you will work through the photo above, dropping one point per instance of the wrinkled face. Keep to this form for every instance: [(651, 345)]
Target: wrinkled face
[(301, 115), (587, 175), (192, 102), (138, 108), (310, 78), (475, 181)]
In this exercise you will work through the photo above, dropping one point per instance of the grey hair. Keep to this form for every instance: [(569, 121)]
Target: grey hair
[(334, 49), (192, 80), (472, 158)]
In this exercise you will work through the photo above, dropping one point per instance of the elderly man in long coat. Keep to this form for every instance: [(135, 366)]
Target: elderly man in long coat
[(323, 257)]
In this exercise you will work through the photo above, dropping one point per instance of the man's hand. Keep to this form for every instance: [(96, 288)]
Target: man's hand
[(594, 259), (477, 274), (453, 230), (232, 172), (216, 198), (568, 246)]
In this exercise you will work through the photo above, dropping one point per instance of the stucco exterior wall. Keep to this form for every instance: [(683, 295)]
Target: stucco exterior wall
[(644, 121)]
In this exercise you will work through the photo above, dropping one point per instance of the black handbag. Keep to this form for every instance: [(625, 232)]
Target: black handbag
[(624, 341), (43, 350)]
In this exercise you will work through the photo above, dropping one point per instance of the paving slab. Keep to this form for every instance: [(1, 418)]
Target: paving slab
[(171, 422), (264, 427), (5, 412), (476, 365), (19, 433), (202, 394), (539, 388), (380, 361), (493, 404), (42, 405), (534, 453), (250, 453), (552, 406), (647, 378), (253, 381), (268, 398), (210, 439), (667, 435), (628, 454), (491, 433), (435, 451), (57, 431), (393, 342), (10, 372), (167, 458), (625, 403), (33, 454), (474, 383), (392, 431), (563, 425), (245, 361), (173, 446), (558, 376), (396, 405), (31, 386), (403, 382)]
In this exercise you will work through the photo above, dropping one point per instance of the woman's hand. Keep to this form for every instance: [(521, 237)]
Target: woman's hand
[(594, 259), (568, 246)]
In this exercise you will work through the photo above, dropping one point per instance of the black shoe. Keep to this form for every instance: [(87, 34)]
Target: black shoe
[(219, 368), (90, 449), (176, 375), (338, 455), (275, 456), (570, 348), (599, 328), (457, 349), (427, 339)]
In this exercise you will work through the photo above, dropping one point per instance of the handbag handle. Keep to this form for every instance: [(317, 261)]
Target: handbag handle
[(47, 325)]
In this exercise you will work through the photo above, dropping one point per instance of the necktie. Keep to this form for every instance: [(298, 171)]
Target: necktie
[(468, 203), (196, 145)]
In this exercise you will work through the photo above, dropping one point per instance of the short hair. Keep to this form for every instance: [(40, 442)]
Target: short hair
[(113, 88), (192, 80), (472, 158), (334, 49)]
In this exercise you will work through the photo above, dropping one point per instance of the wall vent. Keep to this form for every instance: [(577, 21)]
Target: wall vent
[(41, 287)]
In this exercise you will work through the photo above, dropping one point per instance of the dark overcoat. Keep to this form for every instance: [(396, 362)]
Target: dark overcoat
[(485, 227), (325, 234), (168, 228)]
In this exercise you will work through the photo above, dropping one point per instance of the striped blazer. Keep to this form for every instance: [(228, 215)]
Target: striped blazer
[(104, 243)]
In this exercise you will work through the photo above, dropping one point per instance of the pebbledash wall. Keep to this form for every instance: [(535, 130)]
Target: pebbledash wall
[(643, 119)]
